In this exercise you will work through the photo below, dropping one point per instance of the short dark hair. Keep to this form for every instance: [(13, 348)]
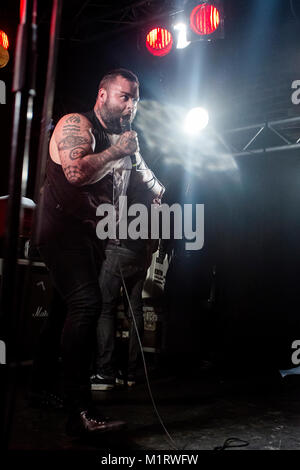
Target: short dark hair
[(110, 76)]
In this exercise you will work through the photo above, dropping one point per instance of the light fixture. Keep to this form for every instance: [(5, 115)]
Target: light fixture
[(196, 120), (159, 41)]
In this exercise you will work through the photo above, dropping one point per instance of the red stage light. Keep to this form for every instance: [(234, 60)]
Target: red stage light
[(4, 40), (204, 19), (159, 41)]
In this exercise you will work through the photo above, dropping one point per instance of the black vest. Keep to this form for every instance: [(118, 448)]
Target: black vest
[(78, 204)]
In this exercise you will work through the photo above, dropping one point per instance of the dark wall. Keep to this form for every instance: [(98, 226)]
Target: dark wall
[(252, 233)]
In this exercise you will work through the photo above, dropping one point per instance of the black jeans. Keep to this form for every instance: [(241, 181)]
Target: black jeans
[(74, 269), (133, 267)]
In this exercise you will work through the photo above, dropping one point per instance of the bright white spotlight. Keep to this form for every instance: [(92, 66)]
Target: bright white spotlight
[(196, 120), (181, 39)]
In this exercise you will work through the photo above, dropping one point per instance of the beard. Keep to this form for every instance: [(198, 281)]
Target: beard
[(111, 117)]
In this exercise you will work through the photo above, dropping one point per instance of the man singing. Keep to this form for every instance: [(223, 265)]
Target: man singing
[(89, 164)]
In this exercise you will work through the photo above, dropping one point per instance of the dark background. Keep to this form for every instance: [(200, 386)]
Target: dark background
[(252, 230)]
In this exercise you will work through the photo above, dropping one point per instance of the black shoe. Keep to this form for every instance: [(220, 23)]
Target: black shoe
[(125, 380), (120, 379), (131, 380), (101, 382), (92, 423)]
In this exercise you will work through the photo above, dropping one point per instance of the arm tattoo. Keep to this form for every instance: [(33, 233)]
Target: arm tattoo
[(78, 152), (72, 173), (88, 170), (70, 128), (123, 140), (72, 141), (73, 118)]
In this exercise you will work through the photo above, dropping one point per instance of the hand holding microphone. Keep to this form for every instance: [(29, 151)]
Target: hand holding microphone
[(145, 175), (128, 141), (125, 123)]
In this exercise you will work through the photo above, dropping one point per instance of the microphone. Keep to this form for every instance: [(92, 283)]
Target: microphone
[(125, 123), (126, 126)]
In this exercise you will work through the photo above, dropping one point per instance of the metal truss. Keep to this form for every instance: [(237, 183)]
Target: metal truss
[(284, 129), (95, 19)]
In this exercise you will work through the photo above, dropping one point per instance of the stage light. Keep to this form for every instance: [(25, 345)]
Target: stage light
[(204, 19), (196, 120), (197, 21), (4, 40), (159, 41), (182, 41), (4, 55)]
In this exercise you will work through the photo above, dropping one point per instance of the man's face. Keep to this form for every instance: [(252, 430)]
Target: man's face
[(118, 99)]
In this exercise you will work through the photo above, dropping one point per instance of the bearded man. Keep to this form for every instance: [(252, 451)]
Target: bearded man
[(89, 164)]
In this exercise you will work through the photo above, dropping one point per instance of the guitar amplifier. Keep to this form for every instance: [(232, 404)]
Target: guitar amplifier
[(34, 295), (27, 213), (153, 328), (26, 223)]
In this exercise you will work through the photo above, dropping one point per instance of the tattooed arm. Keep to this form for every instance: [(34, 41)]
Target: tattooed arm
[(74, 144)]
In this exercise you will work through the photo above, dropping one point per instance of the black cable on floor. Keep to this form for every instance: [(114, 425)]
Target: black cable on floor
[(232, 442), (171, 441)]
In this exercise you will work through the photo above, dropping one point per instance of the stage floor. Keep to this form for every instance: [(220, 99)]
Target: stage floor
[(200, 410)]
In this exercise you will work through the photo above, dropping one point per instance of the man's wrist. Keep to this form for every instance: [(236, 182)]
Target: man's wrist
[(116, 152)]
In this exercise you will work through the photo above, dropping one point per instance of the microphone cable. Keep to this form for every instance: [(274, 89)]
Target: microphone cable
[(170, 439)]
